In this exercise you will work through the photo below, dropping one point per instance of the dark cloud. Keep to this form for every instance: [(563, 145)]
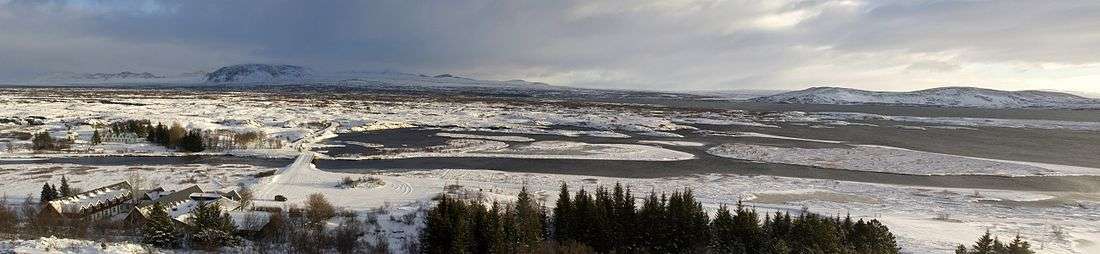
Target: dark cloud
[(687, 44)]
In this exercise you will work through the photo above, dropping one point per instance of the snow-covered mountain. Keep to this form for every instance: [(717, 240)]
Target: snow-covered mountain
[(125, 75), (737, 94), (258, 73), (944, 97), (393, 78)]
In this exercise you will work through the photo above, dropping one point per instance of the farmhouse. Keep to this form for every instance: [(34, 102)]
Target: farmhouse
[(125, 138), (101, 203), (140, 213)]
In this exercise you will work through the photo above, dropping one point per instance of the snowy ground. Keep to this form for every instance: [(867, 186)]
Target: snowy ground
[(926, 220), (56, 245), (21, 180), (892, 160), (537, 150)]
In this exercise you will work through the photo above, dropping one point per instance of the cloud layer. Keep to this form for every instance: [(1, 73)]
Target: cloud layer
[(667, 44)]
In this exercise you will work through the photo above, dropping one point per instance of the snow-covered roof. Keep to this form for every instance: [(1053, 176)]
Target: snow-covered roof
[(250, 220), (181, 211), (206, 195), (80, 202)]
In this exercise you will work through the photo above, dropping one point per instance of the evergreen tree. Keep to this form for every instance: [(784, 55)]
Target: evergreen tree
[(747, 228), (722, 230), (608, 222), (160, 230), (984, 245), (689, 222), (987, 244), (812, 232), (872, 237), (54, 194), (563, 215), (65, 190), (1019, 246), (47, 194), (961, 249), (624, 218), (210, 228), (653, 214), (445, 229), (192, 142), (529, 229)]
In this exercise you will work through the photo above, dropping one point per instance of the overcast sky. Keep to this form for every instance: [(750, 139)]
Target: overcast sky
[(664, 45)]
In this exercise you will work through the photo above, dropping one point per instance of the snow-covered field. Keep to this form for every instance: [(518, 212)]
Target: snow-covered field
[(59, 245), (540, 150), (892, 160), (924, 219)]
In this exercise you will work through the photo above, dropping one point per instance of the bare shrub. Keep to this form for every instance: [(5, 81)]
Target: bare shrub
[(346, 236), (8, 218), (318, 209)]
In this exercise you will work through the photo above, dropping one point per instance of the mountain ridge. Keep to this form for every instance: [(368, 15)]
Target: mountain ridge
[(951, 96)]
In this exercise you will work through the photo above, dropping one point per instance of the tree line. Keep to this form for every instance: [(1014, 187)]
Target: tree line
[(176, 137), (50, 192), (608, 221), (987, 244)]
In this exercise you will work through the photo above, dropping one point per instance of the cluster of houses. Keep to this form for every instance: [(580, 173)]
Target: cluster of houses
[(121, 202)]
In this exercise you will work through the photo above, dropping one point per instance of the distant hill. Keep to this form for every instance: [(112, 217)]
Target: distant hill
[(943, 97), (393, 78), (125, 75), (737, 94), (258, 73)]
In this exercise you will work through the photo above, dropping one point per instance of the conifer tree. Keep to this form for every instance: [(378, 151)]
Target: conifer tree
[(65, 190), (747, 229), (211, 229), (984, 245), (445, 229), (192, 142), (987, 244), (160, 230), (872, 237), (528, 221), (999, 247), (563, 215), (46, 195), (722, 230), (1019, 246)]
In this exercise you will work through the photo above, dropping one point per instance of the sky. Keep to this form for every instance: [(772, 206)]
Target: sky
[(623, 44)]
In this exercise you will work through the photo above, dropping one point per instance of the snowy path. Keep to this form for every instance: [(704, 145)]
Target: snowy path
[(290, 175)]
